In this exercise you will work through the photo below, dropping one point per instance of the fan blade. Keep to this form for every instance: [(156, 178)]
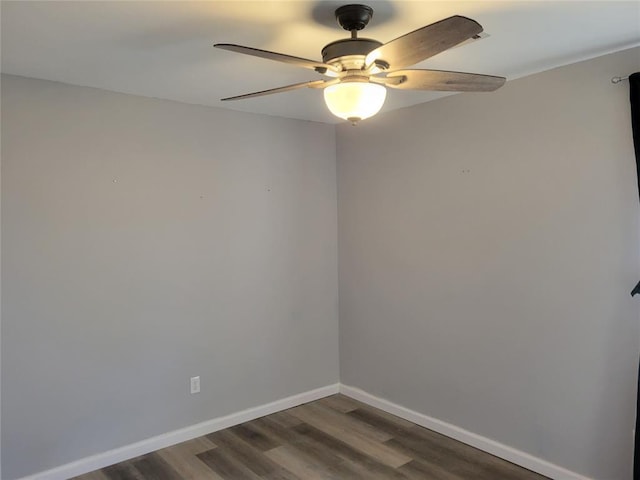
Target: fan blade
[(425, 42), (295, 86), (445, 81), (319, 67)]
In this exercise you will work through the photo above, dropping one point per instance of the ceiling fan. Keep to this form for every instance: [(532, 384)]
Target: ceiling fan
[(358, 70)]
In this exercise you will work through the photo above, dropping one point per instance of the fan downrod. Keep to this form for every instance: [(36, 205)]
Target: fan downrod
[(354, 17)]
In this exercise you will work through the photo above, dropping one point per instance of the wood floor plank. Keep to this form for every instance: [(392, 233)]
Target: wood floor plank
[(363, 471), (285, 418), (425, 450), (391, 426), (153, 466), (382, 452), (255, 437), (122, 471), (347, 422), (369, 467), (291, 460), (387, 416), (273, 430), (333, 465), (192, 447), (303, 460), (490, 464), (189, 467), (281, 474), (226, 466), (304, 446), (459, 459), (341, 403), (313, 453), (417, 470), (244, 453)]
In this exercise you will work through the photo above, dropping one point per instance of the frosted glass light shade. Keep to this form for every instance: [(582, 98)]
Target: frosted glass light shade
[(355, 101)]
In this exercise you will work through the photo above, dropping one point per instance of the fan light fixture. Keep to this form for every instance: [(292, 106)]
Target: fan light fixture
[(355, 100), (358, 70)]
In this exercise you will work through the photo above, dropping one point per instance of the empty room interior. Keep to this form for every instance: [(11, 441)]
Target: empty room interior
[(319, 240)]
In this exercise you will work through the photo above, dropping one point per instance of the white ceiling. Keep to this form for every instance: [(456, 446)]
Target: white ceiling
[(164, 49)]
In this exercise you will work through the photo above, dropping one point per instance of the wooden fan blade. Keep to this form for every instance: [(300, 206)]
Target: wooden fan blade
[(425, 42), (295, 86), (445, 81), (319, 67)]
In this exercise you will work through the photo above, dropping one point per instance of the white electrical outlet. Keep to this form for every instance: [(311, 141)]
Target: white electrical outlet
[(195, 384)]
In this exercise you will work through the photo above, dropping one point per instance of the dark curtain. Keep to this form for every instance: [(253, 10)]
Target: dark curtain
[(634, 89)]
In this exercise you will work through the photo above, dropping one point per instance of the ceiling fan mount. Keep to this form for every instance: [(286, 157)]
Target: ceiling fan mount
[(360, 69), (354, 17)]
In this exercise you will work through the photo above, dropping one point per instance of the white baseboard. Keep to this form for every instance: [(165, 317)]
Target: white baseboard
[(101, 460), (490, 446)]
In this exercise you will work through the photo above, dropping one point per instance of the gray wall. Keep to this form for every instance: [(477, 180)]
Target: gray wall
[(487, 247), (488, 244), (145, 242)]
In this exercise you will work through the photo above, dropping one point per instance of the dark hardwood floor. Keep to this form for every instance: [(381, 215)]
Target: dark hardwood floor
[(335, 438)]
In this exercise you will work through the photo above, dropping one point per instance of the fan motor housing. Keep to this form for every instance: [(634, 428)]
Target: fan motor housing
[(348, 47)]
